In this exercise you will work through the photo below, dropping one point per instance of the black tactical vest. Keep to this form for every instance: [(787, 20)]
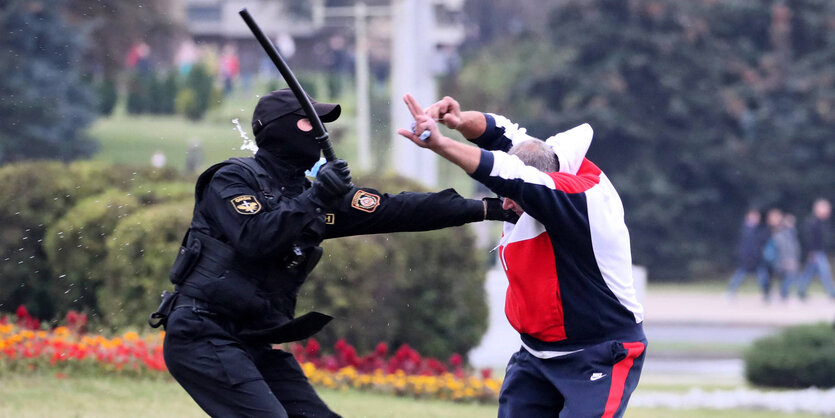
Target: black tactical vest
[(259, 295)]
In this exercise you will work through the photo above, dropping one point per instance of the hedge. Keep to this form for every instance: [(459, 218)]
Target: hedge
[(37, 194), (75, 246), (797, 357), (140, 251)]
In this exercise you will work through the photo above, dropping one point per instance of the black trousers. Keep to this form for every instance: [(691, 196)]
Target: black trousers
[(230, 378)]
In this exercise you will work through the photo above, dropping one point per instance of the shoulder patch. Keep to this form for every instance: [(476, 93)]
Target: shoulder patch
[(364, 201), (246, 205)]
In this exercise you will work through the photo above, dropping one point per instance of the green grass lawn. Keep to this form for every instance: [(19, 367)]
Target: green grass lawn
[(131, 140), (29, 396)]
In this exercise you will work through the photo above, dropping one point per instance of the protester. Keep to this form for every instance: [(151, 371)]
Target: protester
[(567, 259)]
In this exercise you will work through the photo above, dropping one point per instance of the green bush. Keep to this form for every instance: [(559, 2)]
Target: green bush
[(34, 195), (108, 96), (94, 177), (37, 194), (197, 94), (424, 289), (163, 93), (140, 87), (798, 357), (152, 193), (140, 251), (186, 104), (75, 246)]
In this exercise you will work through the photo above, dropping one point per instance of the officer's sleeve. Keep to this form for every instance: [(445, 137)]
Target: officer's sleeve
[(234, 208), (367, 211)]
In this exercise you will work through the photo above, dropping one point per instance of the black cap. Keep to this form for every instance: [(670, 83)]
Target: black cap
[(283, 102)]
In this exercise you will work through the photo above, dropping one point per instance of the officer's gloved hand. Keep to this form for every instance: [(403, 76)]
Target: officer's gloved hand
[(332, 182), (493, 211)]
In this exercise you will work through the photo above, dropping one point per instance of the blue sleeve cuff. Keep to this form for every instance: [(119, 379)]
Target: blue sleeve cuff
[(489, 135), (485, 166)]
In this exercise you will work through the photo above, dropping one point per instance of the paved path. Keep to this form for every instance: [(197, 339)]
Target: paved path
[(815, 401), (691, 307)]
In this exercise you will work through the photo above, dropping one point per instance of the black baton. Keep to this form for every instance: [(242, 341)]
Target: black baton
[(284, 69)]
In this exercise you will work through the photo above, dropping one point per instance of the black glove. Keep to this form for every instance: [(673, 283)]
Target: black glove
[(333, 181), (493, 211)]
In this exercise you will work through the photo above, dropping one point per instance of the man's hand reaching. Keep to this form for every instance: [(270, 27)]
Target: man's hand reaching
[(446, 111), (471, 124)]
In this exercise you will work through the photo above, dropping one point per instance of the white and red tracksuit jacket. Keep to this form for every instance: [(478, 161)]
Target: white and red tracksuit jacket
[(568, 261)]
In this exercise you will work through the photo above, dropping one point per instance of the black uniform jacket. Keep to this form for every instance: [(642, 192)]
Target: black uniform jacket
[(260, 240), (234, 209)]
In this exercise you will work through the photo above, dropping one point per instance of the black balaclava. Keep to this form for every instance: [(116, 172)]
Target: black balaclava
[(289, 144), (287, 152)]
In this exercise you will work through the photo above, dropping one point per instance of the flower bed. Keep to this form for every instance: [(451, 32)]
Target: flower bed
[(405, 373), (68, 350)]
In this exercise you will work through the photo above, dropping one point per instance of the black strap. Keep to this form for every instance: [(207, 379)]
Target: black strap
[(261, 176)]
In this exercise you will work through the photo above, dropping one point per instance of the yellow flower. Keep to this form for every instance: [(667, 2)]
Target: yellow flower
[(308, 368), (131, 336), (62, 331)]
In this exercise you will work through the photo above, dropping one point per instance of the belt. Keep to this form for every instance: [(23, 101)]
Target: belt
[(217, 256), (196, 305)]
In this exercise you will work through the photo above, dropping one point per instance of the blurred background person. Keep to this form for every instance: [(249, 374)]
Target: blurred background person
[(816, 242), (194, 156), (752, 238), (158, 159), (230, 68), (788, 254), (773, 221)]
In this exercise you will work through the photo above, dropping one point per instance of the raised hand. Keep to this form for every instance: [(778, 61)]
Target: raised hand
[(446, 111), (423, 122)]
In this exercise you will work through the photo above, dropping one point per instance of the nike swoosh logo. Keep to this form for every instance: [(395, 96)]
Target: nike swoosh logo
[(597, 376)]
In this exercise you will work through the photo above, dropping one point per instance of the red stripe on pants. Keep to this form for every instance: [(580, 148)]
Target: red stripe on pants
[(619, 373)]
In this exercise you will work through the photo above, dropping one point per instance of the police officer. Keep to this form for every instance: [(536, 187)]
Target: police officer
[(253, 240)]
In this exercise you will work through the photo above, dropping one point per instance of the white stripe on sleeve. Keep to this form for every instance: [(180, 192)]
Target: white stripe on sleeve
[(512, 131)]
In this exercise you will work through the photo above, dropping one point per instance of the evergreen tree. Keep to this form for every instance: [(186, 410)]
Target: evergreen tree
[(44, 103)]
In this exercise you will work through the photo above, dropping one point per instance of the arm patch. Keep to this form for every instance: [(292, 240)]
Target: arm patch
[(246, 205), (364, 201)]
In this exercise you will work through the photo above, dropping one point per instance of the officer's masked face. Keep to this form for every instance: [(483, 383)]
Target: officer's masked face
[(285, 139)]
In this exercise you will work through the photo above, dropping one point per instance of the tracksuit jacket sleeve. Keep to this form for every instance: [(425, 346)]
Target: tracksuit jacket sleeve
[(501, 134), (263, 233), (367, 211), (555, 199)]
